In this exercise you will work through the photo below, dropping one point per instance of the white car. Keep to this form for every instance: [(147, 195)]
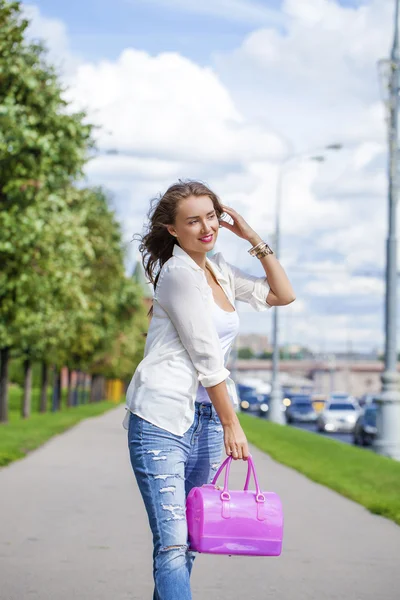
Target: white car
[(338, 416), (341, 397)]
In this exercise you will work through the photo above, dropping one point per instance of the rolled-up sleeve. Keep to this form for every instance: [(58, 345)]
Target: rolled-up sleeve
[(249, 288), (181, 295)]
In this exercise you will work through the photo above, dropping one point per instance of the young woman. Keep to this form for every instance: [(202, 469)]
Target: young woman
[(181, 402)]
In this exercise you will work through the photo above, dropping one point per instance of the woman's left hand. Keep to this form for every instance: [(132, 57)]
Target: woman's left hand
[(239, 227)]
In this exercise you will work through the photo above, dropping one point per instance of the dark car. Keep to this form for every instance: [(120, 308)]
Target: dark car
[(244, 389), (301, 409), (365, 428), (264, 405), (254, 403), (366, 399)]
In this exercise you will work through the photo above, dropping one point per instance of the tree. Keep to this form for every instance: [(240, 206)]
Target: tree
[(268, 355), (42, 149), (44, 248), (64, 296), (121, 357), (104, 271), (245, 353), (41, 144)]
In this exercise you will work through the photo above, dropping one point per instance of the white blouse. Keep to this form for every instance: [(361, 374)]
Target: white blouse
[(182, 345)]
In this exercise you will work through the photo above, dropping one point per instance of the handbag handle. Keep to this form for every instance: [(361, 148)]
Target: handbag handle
[(225, 495)]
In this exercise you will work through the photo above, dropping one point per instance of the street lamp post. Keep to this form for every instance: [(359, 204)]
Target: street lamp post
[(275, 412), (388, 414)]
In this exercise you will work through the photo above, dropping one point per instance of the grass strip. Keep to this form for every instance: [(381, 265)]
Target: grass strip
[(361, 475), (20, 436)]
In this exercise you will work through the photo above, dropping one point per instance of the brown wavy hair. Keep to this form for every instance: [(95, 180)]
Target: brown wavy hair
[(156, 246)]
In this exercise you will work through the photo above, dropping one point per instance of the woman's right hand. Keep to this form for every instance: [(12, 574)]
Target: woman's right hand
[(235, 441)]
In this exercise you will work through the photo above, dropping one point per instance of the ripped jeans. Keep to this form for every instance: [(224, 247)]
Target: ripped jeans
[(166, 467)]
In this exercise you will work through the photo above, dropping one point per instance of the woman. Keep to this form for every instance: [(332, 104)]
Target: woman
[(181, 401)]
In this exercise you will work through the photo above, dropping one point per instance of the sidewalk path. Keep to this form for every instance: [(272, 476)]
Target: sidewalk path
[(73, 526)]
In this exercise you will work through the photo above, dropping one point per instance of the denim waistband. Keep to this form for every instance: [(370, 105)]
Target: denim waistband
[(205, 408)]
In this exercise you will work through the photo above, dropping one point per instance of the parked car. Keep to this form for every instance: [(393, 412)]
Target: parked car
[(341, 397), (366, 399), (264, 405), (365, 428), (301, 410), (259, 386), (250, 402), (256, 404), (338, 416), (243, 389)]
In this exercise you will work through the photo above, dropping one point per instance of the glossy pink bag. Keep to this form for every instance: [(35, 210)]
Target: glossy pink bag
[(234, 521)]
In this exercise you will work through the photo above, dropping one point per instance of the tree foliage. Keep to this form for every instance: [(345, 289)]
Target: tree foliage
[(64, 295), (114, 302), (42, 145)]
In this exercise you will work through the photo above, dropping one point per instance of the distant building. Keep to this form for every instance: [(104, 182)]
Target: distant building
[(257, 343), (293, 348)]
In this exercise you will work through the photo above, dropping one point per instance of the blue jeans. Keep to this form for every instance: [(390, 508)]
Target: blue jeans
[(166, 467)]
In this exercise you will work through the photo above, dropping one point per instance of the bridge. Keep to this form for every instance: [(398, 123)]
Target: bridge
[(355, 377)]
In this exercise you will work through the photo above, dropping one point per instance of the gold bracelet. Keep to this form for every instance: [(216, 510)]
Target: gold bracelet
[(260, 249), (264, 251), (253, 250)]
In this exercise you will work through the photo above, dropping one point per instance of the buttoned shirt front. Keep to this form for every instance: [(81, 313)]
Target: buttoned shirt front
[(182, 346)]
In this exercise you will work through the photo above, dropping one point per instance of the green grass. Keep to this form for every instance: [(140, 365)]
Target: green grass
[(361, 475), (20, 436)]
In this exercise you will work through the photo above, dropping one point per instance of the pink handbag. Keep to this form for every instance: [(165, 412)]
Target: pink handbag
[(234, 522)]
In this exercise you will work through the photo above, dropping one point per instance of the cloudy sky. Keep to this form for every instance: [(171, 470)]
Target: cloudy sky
[(237, 93)]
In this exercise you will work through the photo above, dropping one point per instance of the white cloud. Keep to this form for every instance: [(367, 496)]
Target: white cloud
[(344, 286), (365, 153), (322, 332), (168, 107), (312, 81), (317, 82), (124, 168), (317, 78)]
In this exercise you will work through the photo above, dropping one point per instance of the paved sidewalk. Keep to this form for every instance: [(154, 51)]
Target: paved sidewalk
[(72, 525)]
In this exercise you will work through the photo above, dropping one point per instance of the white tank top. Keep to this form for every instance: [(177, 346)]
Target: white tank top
[(227, 326)]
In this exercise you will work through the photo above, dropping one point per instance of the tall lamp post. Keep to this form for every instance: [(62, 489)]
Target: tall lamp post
[(387, 441), (275, 412)]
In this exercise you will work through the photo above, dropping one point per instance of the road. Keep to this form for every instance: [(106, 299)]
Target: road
[(73, 525), (347, 438)]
